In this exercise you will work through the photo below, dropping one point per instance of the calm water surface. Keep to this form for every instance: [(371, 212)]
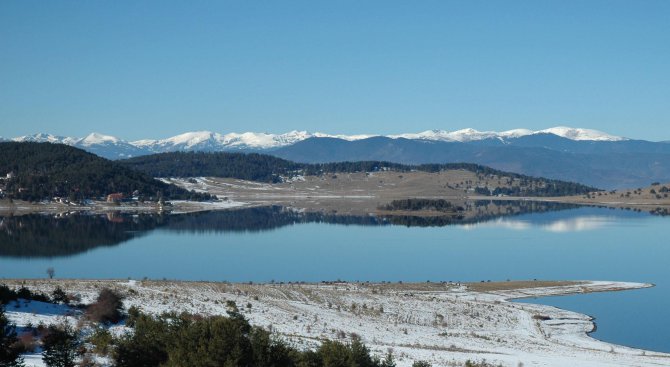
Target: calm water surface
[(273, 244)]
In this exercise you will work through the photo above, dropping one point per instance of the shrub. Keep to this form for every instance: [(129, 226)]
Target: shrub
[(27, 342), (102, 340), (7, 295), (108, 308), (133, 314), (87, 361), (478, 364)]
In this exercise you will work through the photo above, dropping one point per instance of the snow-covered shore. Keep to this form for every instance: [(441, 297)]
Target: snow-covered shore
[(19, 207), (443, 323)]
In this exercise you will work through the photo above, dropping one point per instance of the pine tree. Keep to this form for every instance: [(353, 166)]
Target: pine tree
[(10, 355), (60, 346), (59, 295), (389, 361)]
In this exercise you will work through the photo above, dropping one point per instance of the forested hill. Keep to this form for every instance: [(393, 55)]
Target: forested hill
[(34, 171), (266, 168)]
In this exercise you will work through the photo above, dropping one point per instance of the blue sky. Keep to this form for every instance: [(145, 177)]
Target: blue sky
[(137, 69)]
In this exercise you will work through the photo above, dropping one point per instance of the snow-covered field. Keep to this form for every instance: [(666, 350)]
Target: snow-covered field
[(445, 324), (184, 206)]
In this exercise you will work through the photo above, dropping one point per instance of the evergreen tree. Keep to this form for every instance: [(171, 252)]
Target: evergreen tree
[(59, 295), (10, 354), (60, 346), (389, 361)]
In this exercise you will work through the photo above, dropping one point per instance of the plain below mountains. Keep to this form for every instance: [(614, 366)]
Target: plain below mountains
[(457, 178), (572, 154)]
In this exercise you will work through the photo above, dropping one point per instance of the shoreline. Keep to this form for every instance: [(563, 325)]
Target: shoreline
[(592, 318), (100, 207), (184, 207), (353, 194), (438, 322)]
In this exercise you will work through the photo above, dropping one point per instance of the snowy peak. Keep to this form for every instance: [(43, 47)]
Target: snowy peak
[(41, 138), (263, 140), (98, 139), (516, 133), (581, 134), (91, 139), (343, 137), (208, 141), (441, 135), (191, 139), (467, 135)]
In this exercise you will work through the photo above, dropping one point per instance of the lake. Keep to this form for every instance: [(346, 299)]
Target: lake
[(553, 242)]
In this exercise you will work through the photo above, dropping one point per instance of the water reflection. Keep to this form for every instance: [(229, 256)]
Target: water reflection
[(38, 235), (553, 242), (577, 224)]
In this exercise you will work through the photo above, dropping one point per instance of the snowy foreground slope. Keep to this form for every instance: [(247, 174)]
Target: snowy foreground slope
[(445, 324)]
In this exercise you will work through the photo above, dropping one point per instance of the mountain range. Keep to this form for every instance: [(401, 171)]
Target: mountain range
[(114, 148), (583, 155)]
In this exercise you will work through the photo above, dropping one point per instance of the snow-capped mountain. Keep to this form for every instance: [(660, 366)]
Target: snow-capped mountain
[(581, 134), (103, 145), (47, 138), (467, 135), (98, 139), (207, 141), (574, 154), (210, 141)]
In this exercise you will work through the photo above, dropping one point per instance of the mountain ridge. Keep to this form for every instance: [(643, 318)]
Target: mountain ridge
[(608, 165), (583, 155), (112, 147)]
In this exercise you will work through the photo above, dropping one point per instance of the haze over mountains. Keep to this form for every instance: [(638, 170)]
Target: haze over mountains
[(582, 155)]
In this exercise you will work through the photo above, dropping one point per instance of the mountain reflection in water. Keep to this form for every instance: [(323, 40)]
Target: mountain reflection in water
[(38, 235)]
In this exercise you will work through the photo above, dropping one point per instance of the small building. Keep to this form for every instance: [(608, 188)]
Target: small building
[(10, 175), (115, 198)]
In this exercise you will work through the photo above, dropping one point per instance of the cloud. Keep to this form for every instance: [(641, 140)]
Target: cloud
[(577, 224)]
